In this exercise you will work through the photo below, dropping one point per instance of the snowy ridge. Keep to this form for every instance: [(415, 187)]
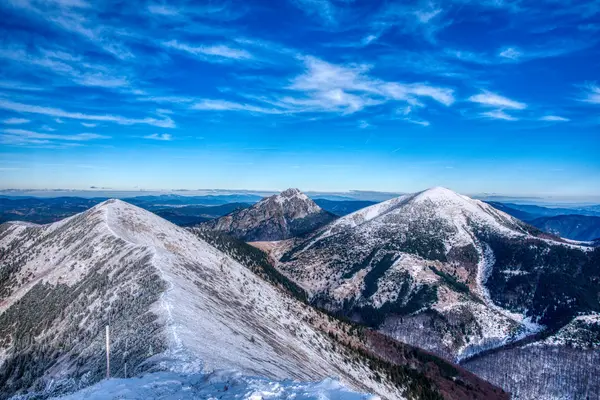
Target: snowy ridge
[(212, 313)]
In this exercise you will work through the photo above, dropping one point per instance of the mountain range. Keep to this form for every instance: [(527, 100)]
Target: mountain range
[(175, 302), (451, 275), (313, 295), (573, 223)]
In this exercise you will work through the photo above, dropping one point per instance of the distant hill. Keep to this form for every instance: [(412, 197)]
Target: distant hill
[(179, 210), (535, 211), (288, 214), (563, 222), (576, 227)]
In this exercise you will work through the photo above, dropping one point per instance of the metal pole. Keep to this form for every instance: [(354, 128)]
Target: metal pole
[(107, 352)]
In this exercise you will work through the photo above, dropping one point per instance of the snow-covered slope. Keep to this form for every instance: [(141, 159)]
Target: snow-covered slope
[(288, 214), (223, 386), (173, 302), (438, 270)]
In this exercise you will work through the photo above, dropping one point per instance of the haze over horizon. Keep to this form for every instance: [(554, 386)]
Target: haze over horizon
[(325, 95)]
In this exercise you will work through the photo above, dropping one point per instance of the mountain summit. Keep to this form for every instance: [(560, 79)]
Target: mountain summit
[(288, 214), (476, 276)]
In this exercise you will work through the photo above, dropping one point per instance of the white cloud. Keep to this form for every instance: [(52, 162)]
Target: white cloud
[(362, 124), (215, 52), (417, 121), (351, 88), (330, 88), (13, 85), (489, 99), (162, 10), (88, 125), (223, 105), (425, 16), (66, 65), (159, 136), (322, 8), (510, 53), (15, 121), (554, 118), (498, 114), (591, 93), (167, 99), (26, 137), (166, 122)]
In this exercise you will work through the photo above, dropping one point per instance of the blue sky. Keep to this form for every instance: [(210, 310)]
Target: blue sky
[(491, 96)]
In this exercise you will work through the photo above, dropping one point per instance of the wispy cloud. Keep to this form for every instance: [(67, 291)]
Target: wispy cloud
[(511, 53), (14, 85), (362, 124), (591, 93), (554, 118), (163, 10), (66, 65), (490, 99), (417, 121), (88, 125), (166, 122), (210, 53), (159, 136), (324, 9), (223, 105), (498, 114), (350, 88), (15, 121), (27, 138), (37, 135), (423, 21), (330, 88)]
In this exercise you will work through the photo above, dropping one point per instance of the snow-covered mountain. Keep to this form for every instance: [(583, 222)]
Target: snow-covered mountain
[(174, 303), (288, 214), (444, 272)]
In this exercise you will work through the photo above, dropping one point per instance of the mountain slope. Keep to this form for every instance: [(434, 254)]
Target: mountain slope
[(576, 227), (288, 214), (173, 303), (443, 260)]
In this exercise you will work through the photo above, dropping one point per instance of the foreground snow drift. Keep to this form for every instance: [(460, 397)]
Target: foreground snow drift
[(225, 386)]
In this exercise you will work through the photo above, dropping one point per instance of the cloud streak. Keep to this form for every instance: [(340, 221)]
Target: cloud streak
[(166, 137), (591, 94), (490, 99), (58, 113), (214, 53), (15, 121)]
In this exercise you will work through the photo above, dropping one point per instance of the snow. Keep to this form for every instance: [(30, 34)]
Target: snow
[(295, 196), (222, 385), (484, 269), (215, 313)]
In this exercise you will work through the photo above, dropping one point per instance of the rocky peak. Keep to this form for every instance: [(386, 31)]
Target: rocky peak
[(281, 216)]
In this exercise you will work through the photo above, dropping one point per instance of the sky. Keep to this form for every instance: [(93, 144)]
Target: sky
[(488, 96)]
